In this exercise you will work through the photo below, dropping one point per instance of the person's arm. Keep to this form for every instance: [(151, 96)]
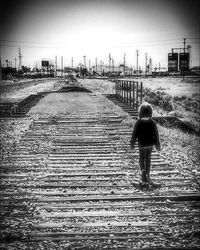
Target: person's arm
[(134, 136), (157, 138)]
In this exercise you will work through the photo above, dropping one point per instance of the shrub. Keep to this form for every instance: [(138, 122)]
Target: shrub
[(158, 98)]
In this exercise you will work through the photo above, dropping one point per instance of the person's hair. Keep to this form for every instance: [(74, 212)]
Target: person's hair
[(145, 110)]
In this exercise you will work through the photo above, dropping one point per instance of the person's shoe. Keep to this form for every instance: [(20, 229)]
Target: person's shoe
[(148, 178), (144, 177)]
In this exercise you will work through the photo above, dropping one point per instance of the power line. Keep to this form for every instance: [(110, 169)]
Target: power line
[(125, 43), (20, 42), (117, 45), (26, 46), (193, 38)]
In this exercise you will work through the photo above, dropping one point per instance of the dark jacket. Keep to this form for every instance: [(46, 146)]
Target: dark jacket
[(146, 131)]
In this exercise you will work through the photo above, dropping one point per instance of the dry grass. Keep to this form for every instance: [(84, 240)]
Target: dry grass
[(187, 108), (11, 131), (182, 151)]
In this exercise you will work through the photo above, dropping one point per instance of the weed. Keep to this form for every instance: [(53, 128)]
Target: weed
[(182, 106), (158, 98)]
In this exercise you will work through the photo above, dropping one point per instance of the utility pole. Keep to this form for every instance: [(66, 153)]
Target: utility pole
[(145, 64), (109, 61), (113, 65), (96, 64), (15, 63), (124, 62), (1, 80), (150, 65), (72, 63), (184, 42), (84, 61), (55, 66), (101, 64), (20, 60), (62, 64), (89, 67), (84, 65), (137, 52), (183, 69)]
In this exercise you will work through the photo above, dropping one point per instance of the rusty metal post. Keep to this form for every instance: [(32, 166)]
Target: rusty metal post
[(121, 90), (133, 90), (125, 91), (130, 93), (137, 96), (141, 89)]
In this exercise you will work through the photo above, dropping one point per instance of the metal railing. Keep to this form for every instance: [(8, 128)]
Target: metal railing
[(130, 92)]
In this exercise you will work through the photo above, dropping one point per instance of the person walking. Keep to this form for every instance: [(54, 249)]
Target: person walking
[(146, 132)]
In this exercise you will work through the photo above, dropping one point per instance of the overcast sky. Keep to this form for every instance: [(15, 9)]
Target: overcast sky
[(95, 28)]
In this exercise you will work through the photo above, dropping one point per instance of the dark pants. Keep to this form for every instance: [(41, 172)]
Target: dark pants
[(145, 159)]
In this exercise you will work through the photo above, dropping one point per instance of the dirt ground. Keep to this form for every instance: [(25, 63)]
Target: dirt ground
[(174, 86), (69, 102), (16, 92)]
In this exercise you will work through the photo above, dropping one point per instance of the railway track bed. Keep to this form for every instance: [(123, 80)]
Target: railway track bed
[(72, 182)]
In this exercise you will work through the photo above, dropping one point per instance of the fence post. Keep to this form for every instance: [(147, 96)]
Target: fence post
[(141, 88), (137, 96), (122, 90), (130, 93), (133, 94), (121, 84), (126, 89), (117, 89)]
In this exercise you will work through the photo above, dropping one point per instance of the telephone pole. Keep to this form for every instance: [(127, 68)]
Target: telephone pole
[(72, 63), (183, 70), (109, 61), (124, 62), (113, 65), (55, 66), (137, 52), (84, 61), (62, 64), (184, 42), (101, 65), (96, 64), (1, 80), (20, 60), (15, 63), (150, 65), (145, 64)]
